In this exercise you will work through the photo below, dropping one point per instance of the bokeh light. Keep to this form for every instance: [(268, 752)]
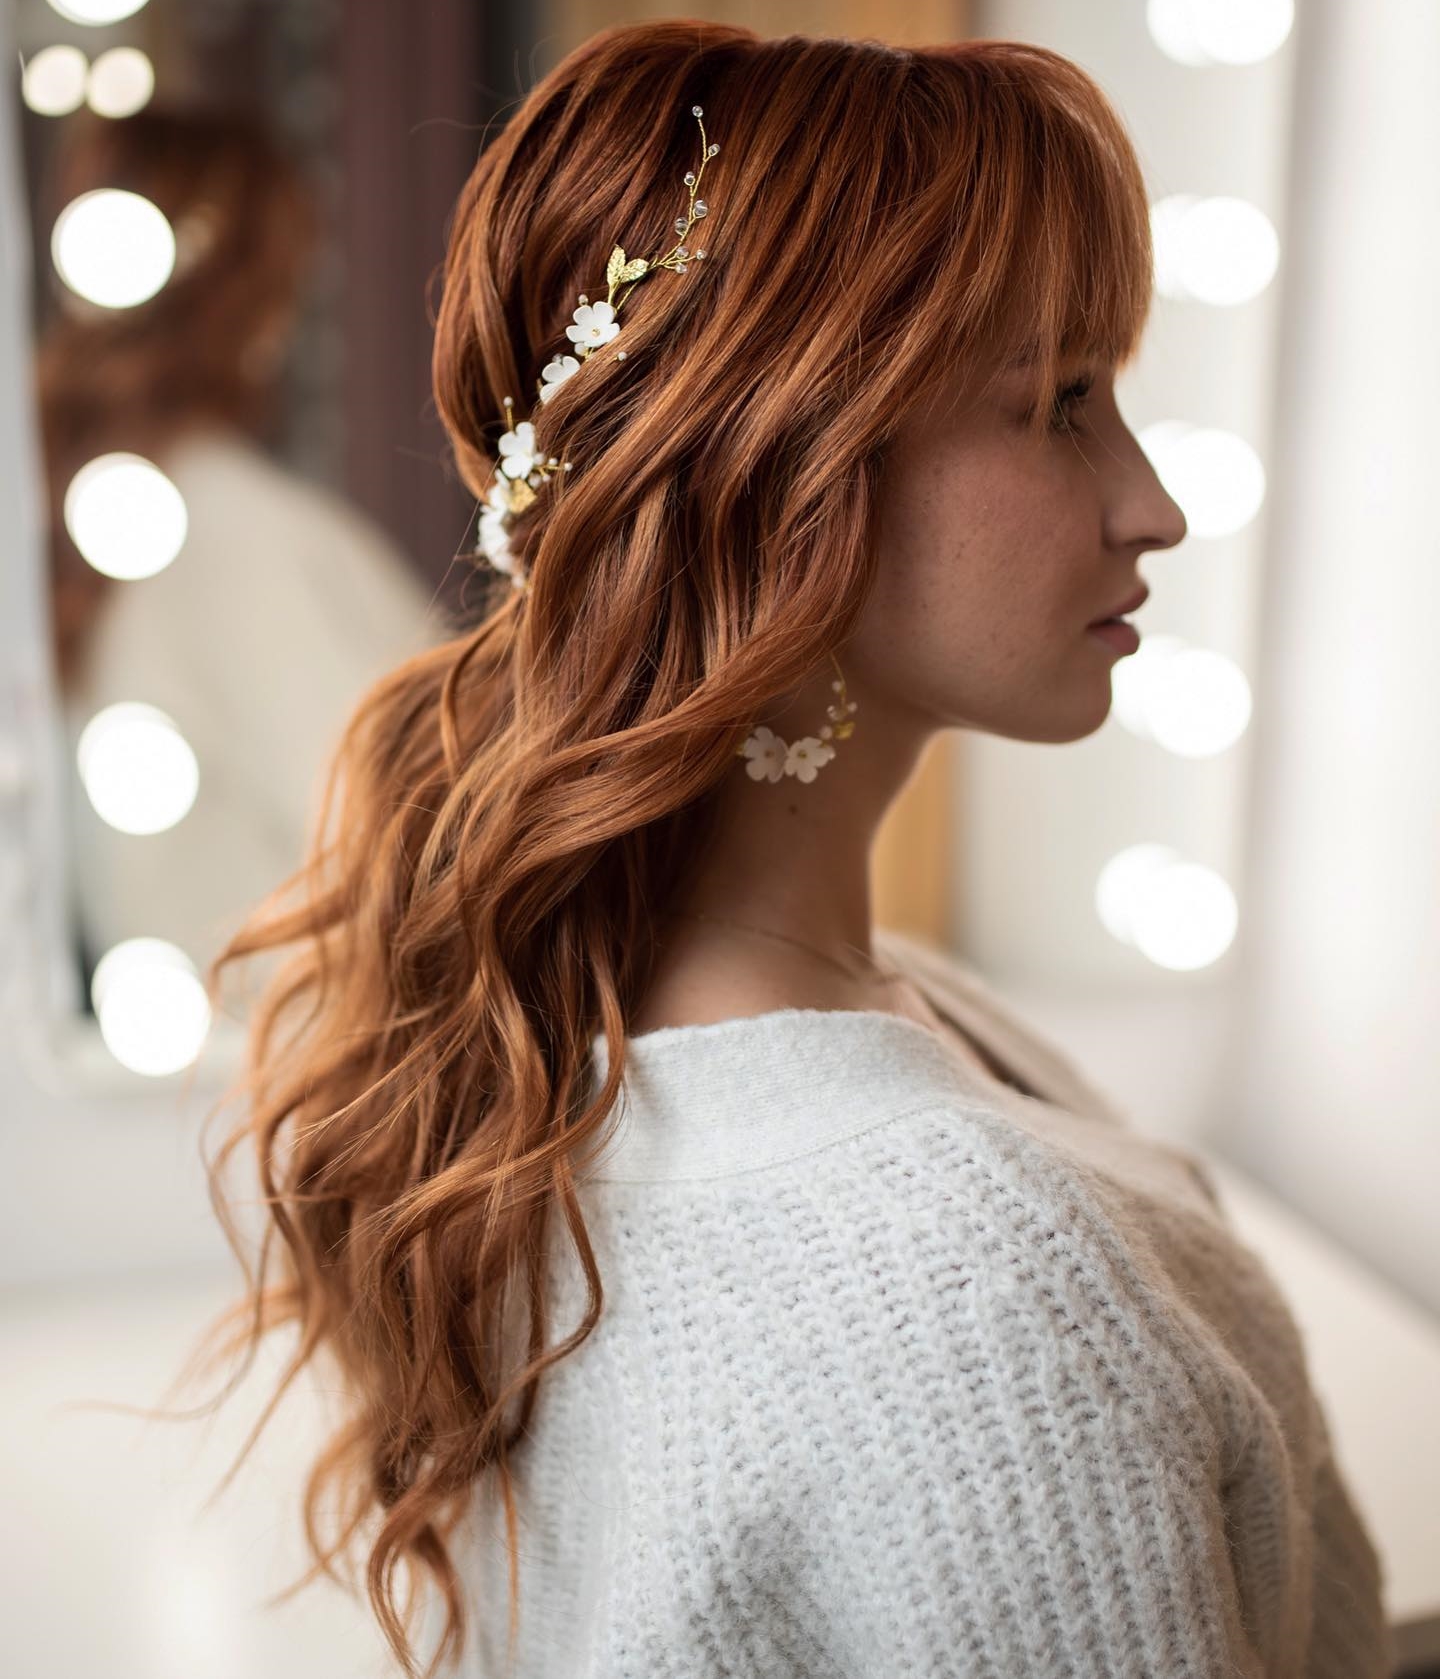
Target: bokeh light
[(113, 247), (125, 516)]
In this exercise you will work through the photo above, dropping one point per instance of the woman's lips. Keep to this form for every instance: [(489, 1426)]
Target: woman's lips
[(1116, 633), (1132, 603)]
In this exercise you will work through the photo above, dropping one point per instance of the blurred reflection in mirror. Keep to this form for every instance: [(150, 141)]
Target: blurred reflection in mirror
[(216, 616)]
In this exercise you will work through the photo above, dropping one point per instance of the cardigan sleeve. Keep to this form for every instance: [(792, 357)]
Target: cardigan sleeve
[(1351, 1637), (1051, 1499)]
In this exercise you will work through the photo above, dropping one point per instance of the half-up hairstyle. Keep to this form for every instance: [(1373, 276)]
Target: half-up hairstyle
[(511, 809)]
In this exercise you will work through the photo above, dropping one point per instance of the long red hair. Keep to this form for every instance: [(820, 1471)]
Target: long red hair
[(510, 809)]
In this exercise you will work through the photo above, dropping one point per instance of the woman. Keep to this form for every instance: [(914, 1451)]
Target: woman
[(721, 1285), (284, 601)]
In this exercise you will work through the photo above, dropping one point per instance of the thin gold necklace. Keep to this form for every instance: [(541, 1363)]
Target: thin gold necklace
[(1001, 1073), (879, 974)]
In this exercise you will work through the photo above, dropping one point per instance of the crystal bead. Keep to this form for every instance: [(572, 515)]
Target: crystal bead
[(682, 253), (619, 355), (679, 267), (695, 111), (701, 207), (680, 224), (699, 256), (689, 177), (836, 685), (713, 149), (583, 298)]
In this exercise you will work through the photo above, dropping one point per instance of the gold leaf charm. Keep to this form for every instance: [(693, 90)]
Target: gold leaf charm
[(519, 495), (615, 267), (632, 271)]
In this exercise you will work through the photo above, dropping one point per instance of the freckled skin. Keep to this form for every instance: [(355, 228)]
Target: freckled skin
[(995, 551)]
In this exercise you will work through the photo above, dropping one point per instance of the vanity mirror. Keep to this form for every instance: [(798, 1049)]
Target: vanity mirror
[(226, 498)]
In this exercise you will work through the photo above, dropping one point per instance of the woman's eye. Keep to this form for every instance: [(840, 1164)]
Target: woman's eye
[(1076, 391)]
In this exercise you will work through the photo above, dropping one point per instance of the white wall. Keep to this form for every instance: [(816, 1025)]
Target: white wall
[(1305, 1054), (1334, 1088)]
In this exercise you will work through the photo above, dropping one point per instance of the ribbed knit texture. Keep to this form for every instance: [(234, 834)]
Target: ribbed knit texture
[(901, 1372)]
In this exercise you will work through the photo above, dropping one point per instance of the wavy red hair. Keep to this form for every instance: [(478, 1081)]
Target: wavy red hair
[(510, 809)]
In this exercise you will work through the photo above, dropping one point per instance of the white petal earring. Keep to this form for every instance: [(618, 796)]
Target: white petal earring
[(770, 759)]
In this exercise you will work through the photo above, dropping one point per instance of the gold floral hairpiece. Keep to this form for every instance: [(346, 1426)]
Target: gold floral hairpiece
[(520, 470)]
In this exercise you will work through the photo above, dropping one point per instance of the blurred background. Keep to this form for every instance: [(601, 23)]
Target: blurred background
[(227, 509)]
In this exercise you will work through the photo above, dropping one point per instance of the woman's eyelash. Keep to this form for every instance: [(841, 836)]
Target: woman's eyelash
[(1076, 391)]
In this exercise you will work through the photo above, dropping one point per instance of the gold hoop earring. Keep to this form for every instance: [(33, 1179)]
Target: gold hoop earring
[(770, 759)]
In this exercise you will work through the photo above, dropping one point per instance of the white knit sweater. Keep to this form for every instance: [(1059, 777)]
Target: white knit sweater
[(901, 1372)]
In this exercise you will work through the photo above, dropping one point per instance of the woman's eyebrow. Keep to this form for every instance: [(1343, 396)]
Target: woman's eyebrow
[(1028, 357)]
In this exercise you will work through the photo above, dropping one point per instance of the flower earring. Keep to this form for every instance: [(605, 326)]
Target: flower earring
[(770, 759)]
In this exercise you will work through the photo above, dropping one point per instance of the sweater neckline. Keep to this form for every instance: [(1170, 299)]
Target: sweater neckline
[(740, 1094)]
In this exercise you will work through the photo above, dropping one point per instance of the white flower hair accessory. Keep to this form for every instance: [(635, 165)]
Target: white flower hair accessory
[(768, 758), (520, 469)]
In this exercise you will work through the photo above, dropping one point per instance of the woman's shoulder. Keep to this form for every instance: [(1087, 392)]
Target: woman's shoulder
[(952, 980), (238, 494), (266, 540)]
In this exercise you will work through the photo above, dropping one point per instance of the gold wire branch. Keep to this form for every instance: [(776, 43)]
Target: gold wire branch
[(618, 270), (523, 469)]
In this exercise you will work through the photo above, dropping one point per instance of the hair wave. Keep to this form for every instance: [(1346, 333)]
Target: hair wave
[(509, 809)]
